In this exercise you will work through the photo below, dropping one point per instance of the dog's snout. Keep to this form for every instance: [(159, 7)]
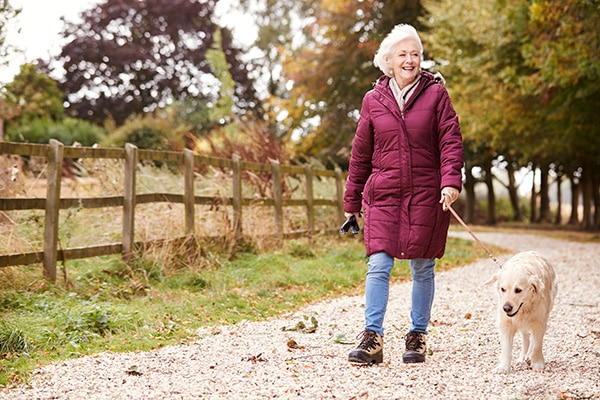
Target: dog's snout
[(507, 308)]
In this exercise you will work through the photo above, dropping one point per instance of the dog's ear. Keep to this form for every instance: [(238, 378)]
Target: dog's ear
[(537, 287), (534, 287), (493, 279)]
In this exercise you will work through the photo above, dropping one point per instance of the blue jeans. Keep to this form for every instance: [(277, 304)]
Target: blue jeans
[(378, 285)]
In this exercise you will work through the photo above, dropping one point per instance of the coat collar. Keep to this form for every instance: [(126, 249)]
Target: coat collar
[(382, 86)]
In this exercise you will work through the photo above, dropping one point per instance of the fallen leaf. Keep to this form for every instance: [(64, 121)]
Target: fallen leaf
[(342, 339), (292, 344)]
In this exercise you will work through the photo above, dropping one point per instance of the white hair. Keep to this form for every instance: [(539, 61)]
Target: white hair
[(398, 34)]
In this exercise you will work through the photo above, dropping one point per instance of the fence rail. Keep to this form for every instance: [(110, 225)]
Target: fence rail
[(56, 153)]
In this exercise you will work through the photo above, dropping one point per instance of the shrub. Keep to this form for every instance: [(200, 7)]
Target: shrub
[(149, 131), (67, 131)]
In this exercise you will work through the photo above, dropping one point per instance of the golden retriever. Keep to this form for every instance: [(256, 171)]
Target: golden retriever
[(526, 287)]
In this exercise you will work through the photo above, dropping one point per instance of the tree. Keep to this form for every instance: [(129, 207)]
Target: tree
[(32, 95), (563, 45), (204, 119), (38, 113), (279, 24), (559, 49), (128, 57), (325, 49), (334, 69), (7, 12), (464, 41), (220, 110), (524, 80)]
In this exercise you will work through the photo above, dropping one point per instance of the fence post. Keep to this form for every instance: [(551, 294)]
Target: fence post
[(277, 198), (131, 160), (310, 204), (237, 197), (53, 177), (188, 196), (339, 186)]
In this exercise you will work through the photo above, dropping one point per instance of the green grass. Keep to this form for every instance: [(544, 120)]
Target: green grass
[(106, 305)]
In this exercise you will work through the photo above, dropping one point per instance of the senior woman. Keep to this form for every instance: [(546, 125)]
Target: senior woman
[(404, 173)]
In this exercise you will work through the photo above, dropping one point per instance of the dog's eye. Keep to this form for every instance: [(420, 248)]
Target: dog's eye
[(518, 290), (502, 289)]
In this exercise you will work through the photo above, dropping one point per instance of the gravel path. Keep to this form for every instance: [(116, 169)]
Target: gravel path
[(260, 360)]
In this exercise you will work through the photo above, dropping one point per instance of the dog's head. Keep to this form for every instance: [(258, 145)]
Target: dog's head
[(517, 289)]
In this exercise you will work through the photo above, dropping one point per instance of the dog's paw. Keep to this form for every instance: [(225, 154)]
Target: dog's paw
[(502, 369), (538, 365)]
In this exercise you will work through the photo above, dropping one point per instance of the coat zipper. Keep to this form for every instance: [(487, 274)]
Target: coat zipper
[(411, 100)]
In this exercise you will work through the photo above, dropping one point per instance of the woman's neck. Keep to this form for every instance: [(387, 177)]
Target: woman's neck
[(402, 83)]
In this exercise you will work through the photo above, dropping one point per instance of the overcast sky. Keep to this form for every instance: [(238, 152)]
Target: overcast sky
[(40, 25)]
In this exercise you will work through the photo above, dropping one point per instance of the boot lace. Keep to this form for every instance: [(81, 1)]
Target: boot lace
[(414, 341), (368, 340)]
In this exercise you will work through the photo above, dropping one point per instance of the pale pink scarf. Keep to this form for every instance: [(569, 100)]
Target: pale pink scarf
[(402, 95)]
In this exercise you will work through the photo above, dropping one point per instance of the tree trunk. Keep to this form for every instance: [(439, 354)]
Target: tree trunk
[(470, 191), (596, 196), (533, 216), (558, 218), (587, 189), (545, 215), (489, 181), (512, 192), (575, 188)]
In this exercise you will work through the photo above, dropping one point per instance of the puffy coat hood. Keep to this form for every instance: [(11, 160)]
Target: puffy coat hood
[(399, 164)]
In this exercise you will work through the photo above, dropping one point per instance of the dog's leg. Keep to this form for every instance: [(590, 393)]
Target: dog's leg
[(536, 353), (507, 335), (526, 350)]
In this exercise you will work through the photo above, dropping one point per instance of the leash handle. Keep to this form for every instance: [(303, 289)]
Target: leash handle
[(459, 219)]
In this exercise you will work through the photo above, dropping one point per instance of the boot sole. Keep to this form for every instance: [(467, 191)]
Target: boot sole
[(412, 357), (365, 358)]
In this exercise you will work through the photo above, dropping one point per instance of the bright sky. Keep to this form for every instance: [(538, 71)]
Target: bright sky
[(40, 25)]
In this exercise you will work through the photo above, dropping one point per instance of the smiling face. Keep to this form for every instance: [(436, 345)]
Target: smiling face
[(405, 61)]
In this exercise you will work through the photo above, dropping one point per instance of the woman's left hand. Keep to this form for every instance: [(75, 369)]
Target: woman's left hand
[(449, 196)]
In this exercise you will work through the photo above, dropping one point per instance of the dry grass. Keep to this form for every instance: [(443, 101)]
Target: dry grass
[(79, 227)]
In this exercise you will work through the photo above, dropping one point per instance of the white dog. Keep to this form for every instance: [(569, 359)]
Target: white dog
[(526, 289)]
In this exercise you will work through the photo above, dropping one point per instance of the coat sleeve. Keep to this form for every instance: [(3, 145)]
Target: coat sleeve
[(450, 144), (360, 165)]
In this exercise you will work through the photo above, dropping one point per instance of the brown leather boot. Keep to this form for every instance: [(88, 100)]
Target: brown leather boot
[(415, 347), (370, 349)]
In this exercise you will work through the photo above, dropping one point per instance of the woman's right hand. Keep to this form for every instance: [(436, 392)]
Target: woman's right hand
[(349, 214)]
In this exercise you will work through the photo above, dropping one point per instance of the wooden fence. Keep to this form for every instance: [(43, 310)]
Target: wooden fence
[(56, 152)]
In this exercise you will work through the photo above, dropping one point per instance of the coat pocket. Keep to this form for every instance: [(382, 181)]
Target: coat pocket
[(369, 191)]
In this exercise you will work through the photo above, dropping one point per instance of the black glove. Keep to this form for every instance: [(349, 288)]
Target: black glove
[(350, 224)]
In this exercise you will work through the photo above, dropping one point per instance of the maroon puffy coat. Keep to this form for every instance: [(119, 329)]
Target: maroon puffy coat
[(399, 165)]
